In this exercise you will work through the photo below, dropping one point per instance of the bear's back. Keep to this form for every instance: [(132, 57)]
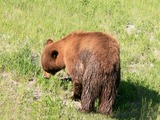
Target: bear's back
[(93, 41), (97, 43), (92, 46)]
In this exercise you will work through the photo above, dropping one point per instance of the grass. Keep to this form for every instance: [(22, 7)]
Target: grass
[(25, 26)]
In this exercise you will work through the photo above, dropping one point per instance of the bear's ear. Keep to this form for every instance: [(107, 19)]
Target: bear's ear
[(54, 54), (49, 41)]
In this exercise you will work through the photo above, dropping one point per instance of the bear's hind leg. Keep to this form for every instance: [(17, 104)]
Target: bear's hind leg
[(106, 101), (87, 101)]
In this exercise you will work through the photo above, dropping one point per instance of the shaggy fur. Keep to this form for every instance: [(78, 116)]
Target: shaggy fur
[(92, 59)]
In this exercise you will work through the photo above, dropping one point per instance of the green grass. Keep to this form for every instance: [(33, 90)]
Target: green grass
[(25, 26)]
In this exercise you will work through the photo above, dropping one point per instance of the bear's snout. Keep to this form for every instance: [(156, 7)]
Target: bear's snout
[(46, 75)]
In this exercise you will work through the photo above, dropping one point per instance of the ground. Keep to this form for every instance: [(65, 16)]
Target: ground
[(25, 26)]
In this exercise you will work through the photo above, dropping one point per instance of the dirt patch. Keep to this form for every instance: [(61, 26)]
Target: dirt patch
[(157, 54), (135, 68), (132, 30), (37, 92)]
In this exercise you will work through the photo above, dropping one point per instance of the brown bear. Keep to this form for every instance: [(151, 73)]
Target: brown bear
[(92, 60)]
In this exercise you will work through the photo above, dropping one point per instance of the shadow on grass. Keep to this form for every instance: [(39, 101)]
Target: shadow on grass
[(136, 102)]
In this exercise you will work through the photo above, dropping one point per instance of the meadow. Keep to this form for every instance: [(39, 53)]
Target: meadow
[(25, 25)]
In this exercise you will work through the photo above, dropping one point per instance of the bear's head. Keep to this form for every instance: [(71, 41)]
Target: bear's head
[(50, 59)]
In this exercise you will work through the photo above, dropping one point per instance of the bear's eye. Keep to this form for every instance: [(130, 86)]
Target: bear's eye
[(54, 54)]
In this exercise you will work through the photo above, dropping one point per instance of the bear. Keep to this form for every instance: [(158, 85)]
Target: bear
[(92, 59), (46, 75)]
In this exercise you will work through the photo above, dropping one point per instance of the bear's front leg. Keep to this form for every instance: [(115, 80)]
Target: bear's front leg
[(77, 91)]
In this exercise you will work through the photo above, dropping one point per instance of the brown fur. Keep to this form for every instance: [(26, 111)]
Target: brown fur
[(92, 59)]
